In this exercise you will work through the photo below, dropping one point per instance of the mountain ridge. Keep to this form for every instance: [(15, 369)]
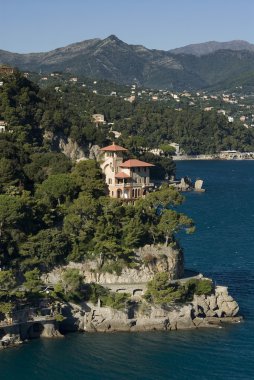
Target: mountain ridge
[(115, 60), (208, 47)]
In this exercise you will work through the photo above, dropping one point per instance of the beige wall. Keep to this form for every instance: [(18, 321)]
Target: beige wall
[(139, 177)]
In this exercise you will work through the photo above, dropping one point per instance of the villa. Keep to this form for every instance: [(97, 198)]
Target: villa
[(127, 180)]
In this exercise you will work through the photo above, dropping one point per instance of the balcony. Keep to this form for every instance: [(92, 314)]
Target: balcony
[(134, 184)]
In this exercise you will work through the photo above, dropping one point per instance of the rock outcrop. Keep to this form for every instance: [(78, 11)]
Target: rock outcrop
[(150, 259), (14, 334), (203, 311), (220, 304), (66, 145)]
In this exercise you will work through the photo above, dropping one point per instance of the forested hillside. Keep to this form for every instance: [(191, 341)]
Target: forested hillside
[(53, 210), (190, 68)]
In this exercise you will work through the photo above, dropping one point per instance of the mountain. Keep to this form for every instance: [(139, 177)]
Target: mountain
[(117, 61), (212, 46)]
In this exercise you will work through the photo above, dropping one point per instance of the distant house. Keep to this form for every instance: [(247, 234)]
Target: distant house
[(6, 70), (176, 147), (223, 112), (3, 125), (127, 180), (116, 134), (98, 118), (130, 99)]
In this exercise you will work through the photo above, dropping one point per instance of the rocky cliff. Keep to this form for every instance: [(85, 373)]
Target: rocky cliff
[(203, 311), (150, 259)]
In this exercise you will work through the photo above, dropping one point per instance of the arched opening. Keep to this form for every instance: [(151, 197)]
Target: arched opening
[(119, 193), (35, 330), (136, 193), (2, 333), (133, 193), (137, 292), (120, 290), (126, 194)]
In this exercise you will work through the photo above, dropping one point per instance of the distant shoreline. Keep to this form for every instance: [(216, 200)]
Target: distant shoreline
[(212, 158)]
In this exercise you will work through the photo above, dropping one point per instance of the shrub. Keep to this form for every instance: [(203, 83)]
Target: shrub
[(59, 317), (160, 290), (116, 300), (198, 287), (113, 267), (94, 292), (107, 298)]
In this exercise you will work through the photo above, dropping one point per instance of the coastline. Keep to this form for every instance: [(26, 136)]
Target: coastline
[(215, 310), (227, 156)]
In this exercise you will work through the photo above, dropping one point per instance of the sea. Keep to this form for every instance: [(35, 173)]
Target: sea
[(222, 248)]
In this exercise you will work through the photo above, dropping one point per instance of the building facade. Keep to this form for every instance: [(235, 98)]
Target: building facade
[(6, 70), (3, 125), (126, 180)]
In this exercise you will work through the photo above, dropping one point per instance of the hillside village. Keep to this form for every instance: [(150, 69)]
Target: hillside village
[(236, 105)]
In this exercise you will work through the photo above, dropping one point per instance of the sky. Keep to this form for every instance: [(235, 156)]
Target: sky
[(43, 25)]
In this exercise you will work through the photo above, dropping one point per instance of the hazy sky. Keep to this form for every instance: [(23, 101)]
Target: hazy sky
[(42, 25)]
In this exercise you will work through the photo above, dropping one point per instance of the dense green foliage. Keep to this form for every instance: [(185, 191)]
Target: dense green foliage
[(96, 292), (53, 211), (143, 124), (161, 290)]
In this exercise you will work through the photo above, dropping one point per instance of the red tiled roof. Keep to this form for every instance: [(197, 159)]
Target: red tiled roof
[(114, 148), (133, 163), (122, 175)]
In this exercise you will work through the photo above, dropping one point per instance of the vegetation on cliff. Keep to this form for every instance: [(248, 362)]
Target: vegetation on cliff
[(53, 211), (160, 290)]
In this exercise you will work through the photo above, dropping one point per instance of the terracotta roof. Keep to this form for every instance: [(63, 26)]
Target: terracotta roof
[(114, 148), (133, 163), (122, 175)]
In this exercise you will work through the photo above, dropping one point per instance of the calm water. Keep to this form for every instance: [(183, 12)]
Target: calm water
[(222, 247)]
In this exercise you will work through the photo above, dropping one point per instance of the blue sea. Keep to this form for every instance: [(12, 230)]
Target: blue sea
[(223, 248)]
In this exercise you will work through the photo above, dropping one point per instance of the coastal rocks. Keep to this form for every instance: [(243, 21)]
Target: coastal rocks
[(15, 334), (50, 331), (105, 319), (227, 305), (10, 340), (204, 311), (220, 304)]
